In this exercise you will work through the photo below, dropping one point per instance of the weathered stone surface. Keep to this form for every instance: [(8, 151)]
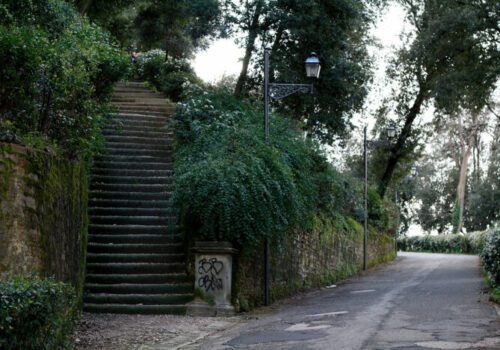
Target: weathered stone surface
[(18, 238), (308, 259), (43, 214), (213, 279)]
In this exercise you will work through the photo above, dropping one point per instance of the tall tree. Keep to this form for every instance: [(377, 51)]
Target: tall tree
[(451, 59), (249, 18), (467, 132), (178, 26), (336, 30)]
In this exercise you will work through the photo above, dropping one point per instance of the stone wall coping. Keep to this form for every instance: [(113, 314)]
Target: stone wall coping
[(214, 247)]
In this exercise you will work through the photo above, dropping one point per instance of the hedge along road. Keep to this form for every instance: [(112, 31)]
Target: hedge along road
[(419, 301)]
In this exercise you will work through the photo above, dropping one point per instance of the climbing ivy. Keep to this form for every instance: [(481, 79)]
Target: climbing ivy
[(232, 185)]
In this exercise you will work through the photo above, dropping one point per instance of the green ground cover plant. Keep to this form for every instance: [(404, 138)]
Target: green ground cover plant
[(36, 314)]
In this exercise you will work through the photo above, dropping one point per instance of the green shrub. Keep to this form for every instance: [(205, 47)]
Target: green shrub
[(490, 255), (52, 16), (55, 85), (166, 74), (172, 85), (470, 243), (36, 314), (231, 184)]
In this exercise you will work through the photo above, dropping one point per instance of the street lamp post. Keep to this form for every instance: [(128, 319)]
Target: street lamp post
[(278, 91)]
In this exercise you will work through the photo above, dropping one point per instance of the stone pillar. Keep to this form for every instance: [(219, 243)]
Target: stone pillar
[(213, 279)]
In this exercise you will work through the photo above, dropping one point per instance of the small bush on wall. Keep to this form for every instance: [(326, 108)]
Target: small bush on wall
[(164, 73), (36, 314)]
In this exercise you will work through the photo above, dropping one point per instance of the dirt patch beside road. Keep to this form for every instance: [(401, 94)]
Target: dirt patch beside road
[(133, 332)]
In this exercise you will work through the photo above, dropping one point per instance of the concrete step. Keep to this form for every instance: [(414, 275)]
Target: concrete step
[(144, 112), (128, 203), (131, 229), (138, 278), (109, 187), (110, 151), (134, 288), (132, 172), (138, 116), (124, 97), (133, 220), (141, 101), (135, 239), (144, 108), (102, 257), (135, 158), (143, 140), (132, 180), (157, 134), (138, 124), (143, 299), (135, 309), (135, 268), (96, 211), (164, 195), (124, 165), (121, 126), (127, 146), (151, 247)]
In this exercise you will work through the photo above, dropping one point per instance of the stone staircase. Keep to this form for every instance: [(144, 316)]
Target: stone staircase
[(135, 255)]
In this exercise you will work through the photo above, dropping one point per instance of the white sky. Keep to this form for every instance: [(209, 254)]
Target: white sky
[(223, 57)]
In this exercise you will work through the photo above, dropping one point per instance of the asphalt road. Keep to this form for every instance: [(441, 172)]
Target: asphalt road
[(419, 301)]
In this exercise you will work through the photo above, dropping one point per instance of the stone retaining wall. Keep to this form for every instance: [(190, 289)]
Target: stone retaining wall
[(329, 252), (43, 214)]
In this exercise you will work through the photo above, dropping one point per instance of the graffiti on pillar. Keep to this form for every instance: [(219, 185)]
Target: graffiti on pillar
[(208, 270)]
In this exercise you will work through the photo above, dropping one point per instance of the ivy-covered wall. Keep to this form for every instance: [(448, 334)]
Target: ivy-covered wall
[(330, 251), (43, 214)]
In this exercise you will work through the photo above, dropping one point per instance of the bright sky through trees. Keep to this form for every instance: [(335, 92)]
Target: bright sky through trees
[(223, 56)]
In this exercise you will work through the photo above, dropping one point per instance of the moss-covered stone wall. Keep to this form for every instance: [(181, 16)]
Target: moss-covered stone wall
[(330, 251), (43, 214)]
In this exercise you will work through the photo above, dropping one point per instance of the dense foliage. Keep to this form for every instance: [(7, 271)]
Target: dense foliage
[(232, 185), (164, 73), (490, 255), (450, 59), (470, 243), (36, 314), (335, 29), (177, 26), (56, 73)]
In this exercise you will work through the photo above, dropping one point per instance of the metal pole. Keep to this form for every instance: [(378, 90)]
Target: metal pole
[(266, 135), (365, 223)]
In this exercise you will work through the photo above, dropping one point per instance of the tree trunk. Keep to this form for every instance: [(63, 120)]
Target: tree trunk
[(461, 188), (253, 32), (397, 150), (85, 7), (468, 144), (274, 49)]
